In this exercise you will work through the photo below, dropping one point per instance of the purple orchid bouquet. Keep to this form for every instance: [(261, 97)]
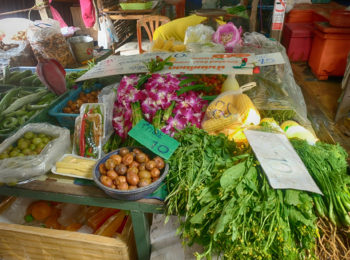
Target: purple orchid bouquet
[(158, 102)]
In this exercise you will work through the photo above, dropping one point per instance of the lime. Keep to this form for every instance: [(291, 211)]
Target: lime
[(38, 150), (26, 151), (45, 140), (41, 135), (29, 135), (36, 140), (20, 154), (3, 156), (21, 140), (8, 149), (14, 153), (23, 145), (32, 147)]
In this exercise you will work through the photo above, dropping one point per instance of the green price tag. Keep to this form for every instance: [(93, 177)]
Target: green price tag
[(155, 140)]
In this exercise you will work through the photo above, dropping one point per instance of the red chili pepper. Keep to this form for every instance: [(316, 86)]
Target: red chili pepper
[(82, 136)]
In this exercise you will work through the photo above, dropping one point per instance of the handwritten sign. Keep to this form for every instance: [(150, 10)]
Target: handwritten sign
[(155, 140), (281, 164), (269, 59), (189, 63)]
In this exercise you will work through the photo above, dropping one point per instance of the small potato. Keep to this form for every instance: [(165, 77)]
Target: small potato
[(134, 164), (123, 151), (128, 159), (110, 164), (144, 182), (120, 179), (70, 102), (131, 187), (154, 179), (123, 186), (67, 110), (105, 180), (147, 158), (132, 178), (113, 186), (112, 174), (159, 162), (141, 157), (155, 172), (121, 169), (133, 170), (117, 158), (144, 175), (150, 165), (142, 166), (102, 168), (136, 150)]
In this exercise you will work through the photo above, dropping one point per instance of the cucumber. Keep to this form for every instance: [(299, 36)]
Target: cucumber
[(37, 83), (16, 78), (28, 80)]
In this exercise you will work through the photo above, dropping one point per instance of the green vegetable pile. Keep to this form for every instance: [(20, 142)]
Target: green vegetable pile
[(226, 204), (327, 165), (20, 104)]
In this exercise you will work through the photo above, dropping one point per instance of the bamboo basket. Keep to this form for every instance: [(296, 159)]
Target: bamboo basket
[(19, 242)]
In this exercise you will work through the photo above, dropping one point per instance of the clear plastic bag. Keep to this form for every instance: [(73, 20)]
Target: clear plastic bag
[(13, 170), (199, 34), (276, 94), (230, 111), (47, 41), (107, 96), (88, 134)]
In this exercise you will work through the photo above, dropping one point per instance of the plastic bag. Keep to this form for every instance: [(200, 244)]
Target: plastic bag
[(47, 41), (277, 94), (106, 34), (17, 169), (199, 33), (107, 96), (209, 47), (230, 111), (161, 45), (88, 134)]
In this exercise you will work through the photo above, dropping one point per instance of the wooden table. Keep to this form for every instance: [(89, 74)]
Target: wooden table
[(93, 196)]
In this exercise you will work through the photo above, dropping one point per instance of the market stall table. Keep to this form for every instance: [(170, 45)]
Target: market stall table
[(92, 196)]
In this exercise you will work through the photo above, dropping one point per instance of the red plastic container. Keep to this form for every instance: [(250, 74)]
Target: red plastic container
[(330, 48), (304, 16), (297, 39)]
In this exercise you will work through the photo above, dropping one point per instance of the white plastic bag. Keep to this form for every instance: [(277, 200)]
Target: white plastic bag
[(106, 34), (107, 96), (199, 34), (13, 170)]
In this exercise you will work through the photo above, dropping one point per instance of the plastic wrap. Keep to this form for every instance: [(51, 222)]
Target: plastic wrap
[(230, 111), (47, 41), (13, 170), (198, 34), (88, 134), (277, 94), (107, 96), (209, 47)]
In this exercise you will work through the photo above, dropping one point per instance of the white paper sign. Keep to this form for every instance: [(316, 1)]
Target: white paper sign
[(282, 165), (269, 59), (189, 63)]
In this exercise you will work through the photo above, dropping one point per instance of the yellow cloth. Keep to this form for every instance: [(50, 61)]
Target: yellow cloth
[(176, 29)]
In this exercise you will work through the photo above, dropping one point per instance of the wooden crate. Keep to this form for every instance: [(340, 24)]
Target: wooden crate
[(25, 242)]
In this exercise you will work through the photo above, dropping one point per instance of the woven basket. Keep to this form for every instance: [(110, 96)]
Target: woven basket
[(26, 242)]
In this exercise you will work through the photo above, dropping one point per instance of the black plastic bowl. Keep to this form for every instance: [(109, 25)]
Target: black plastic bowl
[(135, 194)]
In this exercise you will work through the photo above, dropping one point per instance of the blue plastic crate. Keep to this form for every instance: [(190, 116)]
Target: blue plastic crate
[(65, 119)]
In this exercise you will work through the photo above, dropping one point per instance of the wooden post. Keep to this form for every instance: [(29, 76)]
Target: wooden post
[(45, 13), (252, 22)]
